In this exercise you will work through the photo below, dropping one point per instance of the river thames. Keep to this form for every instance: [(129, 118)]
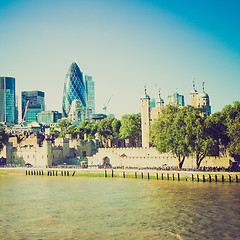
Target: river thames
[(34, 207)]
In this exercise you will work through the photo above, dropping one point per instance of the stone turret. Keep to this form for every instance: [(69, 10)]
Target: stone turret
[(145, 118)]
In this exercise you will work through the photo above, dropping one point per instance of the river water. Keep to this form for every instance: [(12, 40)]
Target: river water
[(96, 208)]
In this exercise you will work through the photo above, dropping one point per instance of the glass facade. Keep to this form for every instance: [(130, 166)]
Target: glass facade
[(177, 99), (49, 117), (90, 89), (8, 109), (74, 88), (33, 102)]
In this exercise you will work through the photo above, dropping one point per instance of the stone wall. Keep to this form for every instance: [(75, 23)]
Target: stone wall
[(149, 157)]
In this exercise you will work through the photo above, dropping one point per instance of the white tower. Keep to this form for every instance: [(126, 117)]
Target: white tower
[(145, 118)]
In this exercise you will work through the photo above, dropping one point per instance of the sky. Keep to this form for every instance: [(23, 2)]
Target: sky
[(123, 45)]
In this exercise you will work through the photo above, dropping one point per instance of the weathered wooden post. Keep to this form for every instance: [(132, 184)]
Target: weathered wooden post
[(209, 177), (216, 178), (42, 172), (68, 173), (112, 173), (62, 173), (123, 174), (230, 178), (26, 172), (173, 177), (105, 173), (203, 178), (167, 176), (39, 173), (142, 175), (237, 178), (135, 174), (178, 177), (148, 176), (197, 177), (162, 176), (222, 178), (73, 174), (48, 173), (157, 176), (56, 173)]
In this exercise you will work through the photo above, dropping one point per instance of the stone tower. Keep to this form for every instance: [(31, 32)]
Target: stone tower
[(156, 111), (194, 96), (145, 118), (204, 103)]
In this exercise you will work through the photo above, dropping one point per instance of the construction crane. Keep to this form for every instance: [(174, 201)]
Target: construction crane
[(25, 111), (106, 105)]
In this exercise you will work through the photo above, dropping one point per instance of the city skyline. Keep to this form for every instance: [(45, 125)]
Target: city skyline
[(122, 46)]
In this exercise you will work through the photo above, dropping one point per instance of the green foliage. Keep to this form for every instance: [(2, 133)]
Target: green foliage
[(131, 127), (3, 138), (183, 132), (105, 130), (63, 123), (231, 118), (54, 132), (116, 124)]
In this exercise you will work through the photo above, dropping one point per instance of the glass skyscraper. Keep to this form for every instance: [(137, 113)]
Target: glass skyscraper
[(90, 89), (33, 102), (177, 99), (8, 110), (74, 88)]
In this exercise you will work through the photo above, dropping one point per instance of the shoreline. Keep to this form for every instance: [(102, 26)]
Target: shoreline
[(170, 175)]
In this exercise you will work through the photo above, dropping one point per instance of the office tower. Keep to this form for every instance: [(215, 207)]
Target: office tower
[(48, 117), (33, 102), (90, 90), (77, 112), (8, 110), (177, 99), (74, 88)]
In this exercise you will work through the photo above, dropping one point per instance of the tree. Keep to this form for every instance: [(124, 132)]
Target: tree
[(231, 119), (63, 123), (116, 124), (131, 127), (104, 129), (3, 138), (54, 132), (167, 133)]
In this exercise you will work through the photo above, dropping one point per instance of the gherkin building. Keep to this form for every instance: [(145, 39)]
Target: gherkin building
[(74, 88)]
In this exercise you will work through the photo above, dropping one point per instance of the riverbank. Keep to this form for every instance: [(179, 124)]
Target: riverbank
[(198, 176)]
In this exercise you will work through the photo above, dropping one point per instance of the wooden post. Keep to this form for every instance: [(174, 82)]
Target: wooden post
[(48, 173), (162, 176), (53, 173), (56, 173), (230, 178), (73, 174), (123, 174), (148, 175), (203, 178), (105, 173), (135, 174), (68, 173), (178, 177), (197, 177), (210, 179), (26, 172), (173, 177), (142, 175), (236, 178), (157, 176), (222, 178), (39, 173), (215, 178), (167, 176), (42, 172), (112, 173)]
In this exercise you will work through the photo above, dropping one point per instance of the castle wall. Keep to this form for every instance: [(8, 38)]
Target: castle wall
[(149, 157)]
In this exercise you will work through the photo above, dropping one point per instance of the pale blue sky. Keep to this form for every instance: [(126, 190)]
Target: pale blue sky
[(123, 44)]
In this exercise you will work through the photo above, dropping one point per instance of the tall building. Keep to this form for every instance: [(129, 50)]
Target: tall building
[(90, 90), (145, 118), (33, 102), (201, 100), (48, 117), (74, 88), (8, 109), (77, 112), (177, 99)]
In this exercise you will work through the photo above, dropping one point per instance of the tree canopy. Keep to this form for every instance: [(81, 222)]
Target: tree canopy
[(3, 138)]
